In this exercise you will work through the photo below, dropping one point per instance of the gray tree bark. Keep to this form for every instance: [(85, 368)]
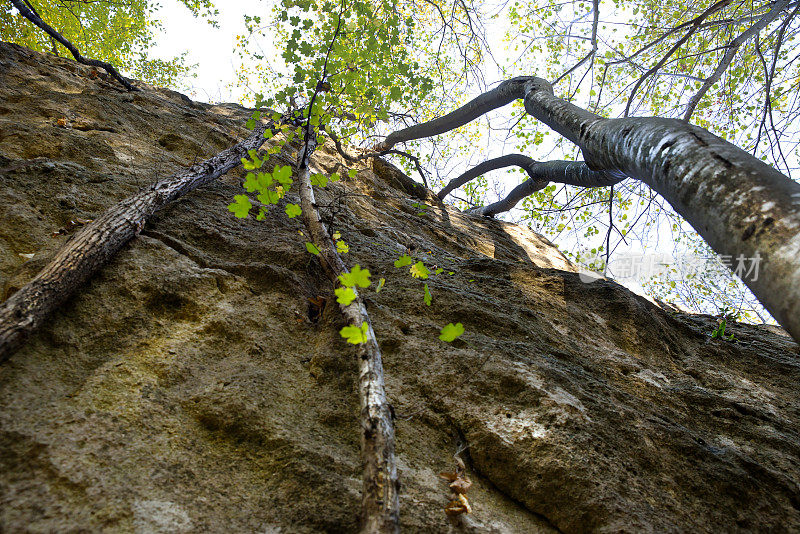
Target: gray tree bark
[(540, 173), (380, 496), (747, 211)]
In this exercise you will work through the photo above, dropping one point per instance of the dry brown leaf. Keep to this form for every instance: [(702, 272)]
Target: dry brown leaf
[(450, 477), (461, 485), (460, 467), (459, 506)]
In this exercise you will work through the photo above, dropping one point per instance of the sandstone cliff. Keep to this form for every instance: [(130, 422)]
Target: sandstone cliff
[(193, 385)]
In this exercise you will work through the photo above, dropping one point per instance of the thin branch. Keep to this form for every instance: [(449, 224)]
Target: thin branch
[(730, 54), (31, 16), (593, 51), (380, 501)]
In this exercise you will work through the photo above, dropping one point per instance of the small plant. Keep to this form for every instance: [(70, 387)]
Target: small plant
[(719, 331), (421, 207)]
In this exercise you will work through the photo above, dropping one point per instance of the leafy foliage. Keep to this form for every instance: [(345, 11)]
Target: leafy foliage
[(293, 210), (241, 207), (403, 260), (312, 248), (345, 295), (427, 297), (356, 277), (418, 270), (116, 31)]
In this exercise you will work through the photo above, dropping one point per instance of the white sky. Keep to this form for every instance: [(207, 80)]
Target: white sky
[(212, 49)]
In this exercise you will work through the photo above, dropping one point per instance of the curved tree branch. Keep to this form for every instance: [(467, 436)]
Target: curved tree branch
[(37, 20), (575, 173), (745, 210), (503, 94), (508, 160)]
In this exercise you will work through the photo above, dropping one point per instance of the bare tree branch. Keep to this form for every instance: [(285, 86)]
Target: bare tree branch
[(380, 497), (593, 51), (380, 501)]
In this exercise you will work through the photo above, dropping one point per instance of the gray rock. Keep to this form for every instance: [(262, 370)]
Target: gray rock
[(193, 386)]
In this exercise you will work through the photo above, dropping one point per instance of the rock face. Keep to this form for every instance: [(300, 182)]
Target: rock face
[(196, 385)]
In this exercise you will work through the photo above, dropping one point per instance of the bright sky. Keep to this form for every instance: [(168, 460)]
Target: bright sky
[(210, 48)]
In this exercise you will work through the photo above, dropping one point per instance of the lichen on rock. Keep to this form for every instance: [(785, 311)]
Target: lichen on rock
[(192, 386)]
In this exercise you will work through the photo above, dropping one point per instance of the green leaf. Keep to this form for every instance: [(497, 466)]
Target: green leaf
[(345, 295), (352, 173), (381, 282), (268, 196), (418, 270), (283, 175), (241, 207), (250, 124), (404, 260), (251, 183), (293, 210), (451, 332), (319, 180), (355, 334), (439, 271), (428, 298), (342, 248), (337, 235), (312, 248), (356, 277)]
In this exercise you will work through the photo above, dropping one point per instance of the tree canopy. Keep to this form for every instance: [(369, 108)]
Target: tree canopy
[(119, 32), (728, 66)]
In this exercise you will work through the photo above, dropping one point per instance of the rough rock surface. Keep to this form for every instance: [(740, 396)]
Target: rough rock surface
[(192, 386)]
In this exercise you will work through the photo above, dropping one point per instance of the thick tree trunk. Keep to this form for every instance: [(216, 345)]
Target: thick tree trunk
[(98, 241), (744, 209), (380, 498)]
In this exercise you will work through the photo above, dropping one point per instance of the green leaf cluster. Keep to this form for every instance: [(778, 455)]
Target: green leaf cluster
[(120, 33)]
